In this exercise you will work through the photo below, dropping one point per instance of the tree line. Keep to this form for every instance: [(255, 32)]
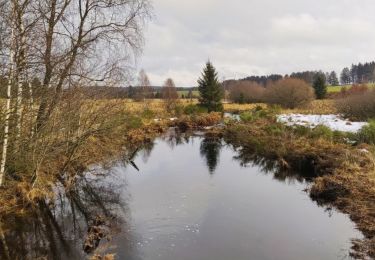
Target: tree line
[(357, 74)]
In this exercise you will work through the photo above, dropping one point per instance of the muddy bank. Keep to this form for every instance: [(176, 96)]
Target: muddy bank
[(342, 176)]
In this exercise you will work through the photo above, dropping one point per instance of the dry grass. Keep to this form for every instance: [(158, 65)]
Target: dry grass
[(233, 107), (320, 107), (347, 173)]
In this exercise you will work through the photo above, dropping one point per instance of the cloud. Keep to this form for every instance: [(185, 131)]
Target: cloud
[(246, 37)]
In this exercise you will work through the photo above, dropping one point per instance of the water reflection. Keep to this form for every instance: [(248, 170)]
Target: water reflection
[(72, 225), (173, 211), (174, 137), (210, 151), (305, 172)]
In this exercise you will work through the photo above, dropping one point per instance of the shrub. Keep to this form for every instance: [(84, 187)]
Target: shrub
[(289, 93), (322, 131), (246, 92), (148, 114), (353, 90), (367, 133), (359, 106), (256, 113), (192, 109), (134, 122)]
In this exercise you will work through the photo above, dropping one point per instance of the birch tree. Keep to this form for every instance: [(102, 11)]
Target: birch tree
[(68, 44)]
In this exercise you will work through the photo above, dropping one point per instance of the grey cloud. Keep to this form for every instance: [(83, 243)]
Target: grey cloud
[(244, 37)]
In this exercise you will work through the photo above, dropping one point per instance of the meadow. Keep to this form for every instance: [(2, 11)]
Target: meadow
[(336, 89)]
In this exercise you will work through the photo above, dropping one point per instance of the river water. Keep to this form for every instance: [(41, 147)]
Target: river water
[(194, 198)]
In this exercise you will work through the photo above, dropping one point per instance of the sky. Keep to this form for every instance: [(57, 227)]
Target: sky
[(255, 37)]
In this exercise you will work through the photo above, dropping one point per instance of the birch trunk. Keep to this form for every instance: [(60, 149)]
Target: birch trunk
[(7, 112), (32, 115), (21, 61)]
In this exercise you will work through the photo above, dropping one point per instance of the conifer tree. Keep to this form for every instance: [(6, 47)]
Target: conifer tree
[(332, 79), (320, 86), (210, 89)]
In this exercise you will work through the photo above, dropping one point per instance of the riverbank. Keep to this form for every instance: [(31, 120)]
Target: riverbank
[(342, 175)]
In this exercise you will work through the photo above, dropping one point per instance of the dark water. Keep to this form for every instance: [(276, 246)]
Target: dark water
[(192, 199)]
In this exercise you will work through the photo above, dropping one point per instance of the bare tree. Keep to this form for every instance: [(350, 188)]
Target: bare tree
[(144, 90), (169, 94), (68, 45), (90, 36)]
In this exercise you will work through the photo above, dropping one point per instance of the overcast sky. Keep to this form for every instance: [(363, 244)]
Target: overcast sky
[(256, 37)]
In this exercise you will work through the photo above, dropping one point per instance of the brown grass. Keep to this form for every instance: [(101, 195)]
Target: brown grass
[(347, 174)]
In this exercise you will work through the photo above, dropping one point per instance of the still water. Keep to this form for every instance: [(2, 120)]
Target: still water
[(192, 198)]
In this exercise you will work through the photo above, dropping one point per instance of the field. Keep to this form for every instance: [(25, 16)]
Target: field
[(186, 92), (335, 89)]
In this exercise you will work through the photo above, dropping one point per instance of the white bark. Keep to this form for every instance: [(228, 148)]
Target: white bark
[(32, 114), (7, 112), (20, 77)]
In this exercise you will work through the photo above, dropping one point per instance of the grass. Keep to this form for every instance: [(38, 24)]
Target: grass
[(186, 92), (336, 89), (343, 175), (347, 174), (320, 107)]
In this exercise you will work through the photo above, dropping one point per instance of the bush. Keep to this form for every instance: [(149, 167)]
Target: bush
[(358, 106), (367, 133), (322, 131), (353, 90), (148, 114), (289, 93), (246, 92), (256, 113), (192, 109)]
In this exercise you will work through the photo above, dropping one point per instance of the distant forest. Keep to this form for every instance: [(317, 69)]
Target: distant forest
[(356, 74)]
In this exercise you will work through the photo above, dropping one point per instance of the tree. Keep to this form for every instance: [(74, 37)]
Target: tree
[(244, 91), (345, 76), (190, 95), (332, 79), (144, 87), (169, 93), (210, 89), (131, 92), (289, 93), (67, 45), (320, 86)]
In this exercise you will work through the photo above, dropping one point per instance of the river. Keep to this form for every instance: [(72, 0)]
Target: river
[(192, 198)]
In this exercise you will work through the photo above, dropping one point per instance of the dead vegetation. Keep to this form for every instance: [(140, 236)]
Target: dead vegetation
[(343, 175)]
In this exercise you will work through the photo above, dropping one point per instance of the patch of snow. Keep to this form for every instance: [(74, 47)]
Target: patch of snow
[(334, 122), (232, 116)]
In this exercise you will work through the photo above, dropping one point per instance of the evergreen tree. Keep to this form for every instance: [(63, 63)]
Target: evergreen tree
[(210, 89), (320, 86), (332, 79), (345, 76)]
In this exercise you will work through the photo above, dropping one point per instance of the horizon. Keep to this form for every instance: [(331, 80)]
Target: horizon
[(255, 38)]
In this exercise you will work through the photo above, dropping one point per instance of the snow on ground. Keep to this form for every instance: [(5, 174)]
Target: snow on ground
[(334, 122)]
